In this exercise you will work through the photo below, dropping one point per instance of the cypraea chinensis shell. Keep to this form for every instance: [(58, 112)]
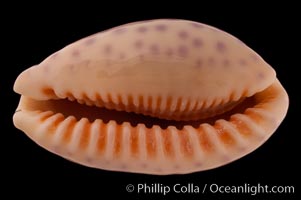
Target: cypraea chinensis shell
[(159, 97)]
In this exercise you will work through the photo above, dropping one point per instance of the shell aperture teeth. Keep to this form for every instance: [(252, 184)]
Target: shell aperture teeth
[(92, 111)]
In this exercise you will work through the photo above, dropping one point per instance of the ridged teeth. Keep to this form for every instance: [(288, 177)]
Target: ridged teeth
[(214, 138), (154, 150), (62, 129), (233, 133), (159, 106), (71, 98), (270, 121), (199, 154), (42, 116), (50, 122), (159, 149), (125, 151), (257, 131), (79, 129), (80, 101), (138, 144), (111, 133), (92, 147)]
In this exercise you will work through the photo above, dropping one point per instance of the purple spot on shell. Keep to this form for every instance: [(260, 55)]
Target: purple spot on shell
[(154, 48), (221, 47), (197, 25), (120, 30), (241, 149), (169, 52), (198, 164), (86, 63), (142, 29), (46, 68), (122, 56), (90, 41), (107, 49), (158, 169), (57, 149), (211, 61), (107, 162), (123, 166), (254, 57), (183, 50), (75, 53), (199, 63), (197, 42), (89, 160), (176, 167), (226, 63), (138, 44), (183, 34), (72, 68), (243, 62), (225, 158), (161, 27), (260, 138), (260, 75), (143, 165)]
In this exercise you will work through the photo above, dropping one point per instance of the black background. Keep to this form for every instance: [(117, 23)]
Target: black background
[(30, 35)]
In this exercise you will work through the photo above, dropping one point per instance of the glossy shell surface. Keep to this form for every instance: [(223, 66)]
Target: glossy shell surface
[(225, 97)]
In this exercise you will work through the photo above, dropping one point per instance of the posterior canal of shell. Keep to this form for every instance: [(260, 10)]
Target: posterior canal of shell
[(159, 96)]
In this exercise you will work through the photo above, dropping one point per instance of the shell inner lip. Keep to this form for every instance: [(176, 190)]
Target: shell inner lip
[(92, 113)]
